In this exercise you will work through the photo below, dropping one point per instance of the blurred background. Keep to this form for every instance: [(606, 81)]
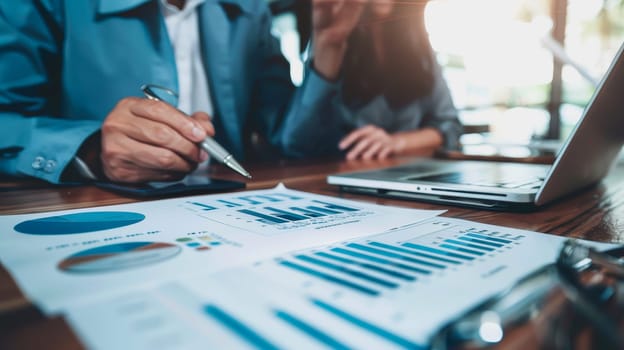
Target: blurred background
[(520, 71)]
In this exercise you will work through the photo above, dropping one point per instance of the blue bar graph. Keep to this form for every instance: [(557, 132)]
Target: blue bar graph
[(437, 251), (203, 206), (288, 196), (238, 327), (469, 245), (228, 203), (369, 327), (322, 210), (286, 215), (335, 206), (307, 212), (416, 253), (249, 200), (329, 278), (395, 255), (480, 241), (274, 215), (380, 260), (267, 219), (460, 249), (268, 198), (310, 330), (488, 238), (352, 273), (371, 267)]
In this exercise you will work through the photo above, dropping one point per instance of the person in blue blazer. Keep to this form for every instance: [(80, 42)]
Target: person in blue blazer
[(71, 72)]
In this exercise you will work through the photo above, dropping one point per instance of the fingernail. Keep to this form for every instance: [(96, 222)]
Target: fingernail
[(198, 133), (203, 156)]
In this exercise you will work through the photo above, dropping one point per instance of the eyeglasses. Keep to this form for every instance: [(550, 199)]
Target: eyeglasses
[(577, 302)]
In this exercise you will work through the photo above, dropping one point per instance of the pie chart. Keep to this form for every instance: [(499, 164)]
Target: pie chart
[(78, 223), (118, 256)]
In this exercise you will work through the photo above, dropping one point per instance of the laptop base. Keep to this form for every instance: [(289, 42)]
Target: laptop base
[(445, 200)]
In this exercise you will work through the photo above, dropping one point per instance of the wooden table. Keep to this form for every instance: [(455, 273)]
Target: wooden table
[(594, 214)]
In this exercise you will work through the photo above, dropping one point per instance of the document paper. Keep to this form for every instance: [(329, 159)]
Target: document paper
[(264, 269), (69, 257), (385, 291)]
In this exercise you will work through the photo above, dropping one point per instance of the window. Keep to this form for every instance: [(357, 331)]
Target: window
[(498, 60)]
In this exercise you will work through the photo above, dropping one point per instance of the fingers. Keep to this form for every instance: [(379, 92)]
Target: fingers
[(370, 149), (382, 8), (368, 142), (163, 113), (356, 135), (144, 162), (146, 140), (205, 121), (333, 20), (322, 12), (161, 136), (373, 150), (359, 148), (332, 23), (385, 153)]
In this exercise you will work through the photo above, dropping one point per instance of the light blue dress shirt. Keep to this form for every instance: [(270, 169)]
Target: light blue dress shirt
[(64, 65)]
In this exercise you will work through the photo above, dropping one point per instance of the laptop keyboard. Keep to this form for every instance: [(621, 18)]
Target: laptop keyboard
[(476, 179)]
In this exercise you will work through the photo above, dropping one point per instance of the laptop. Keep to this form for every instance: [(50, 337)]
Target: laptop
[(585, 158)]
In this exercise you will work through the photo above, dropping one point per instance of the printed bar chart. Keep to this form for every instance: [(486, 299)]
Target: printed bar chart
[(415, 253), (238, 327), (330, 278), (310, 330), (203, 206), (347, 271), (307, 212), (388, 290), (489, 238), (368, 266), (228, 203), (283, 214), (374, 267), (273, 215), (264, 218), (379, 260), (437, 251), (365, 325), (252, 333)]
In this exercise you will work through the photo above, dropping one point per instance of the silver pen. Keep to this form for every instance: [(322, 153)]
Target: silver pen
[(209, 145)]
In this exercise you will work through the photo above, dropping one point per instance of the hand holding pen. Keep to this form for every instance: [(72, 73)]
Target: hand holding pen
[(144, 140), (158, 93)]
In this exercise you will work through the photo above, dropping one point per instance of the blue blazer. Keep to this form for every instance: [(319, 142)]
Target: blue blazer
[(64, 64)]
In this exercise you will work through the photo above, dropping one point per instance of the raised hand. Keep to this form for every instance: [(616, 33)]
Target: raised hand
[(332, 23)]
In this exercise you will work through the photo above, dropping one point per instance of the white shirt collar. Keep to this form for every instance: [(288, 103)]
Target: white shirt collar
[(189, 6)]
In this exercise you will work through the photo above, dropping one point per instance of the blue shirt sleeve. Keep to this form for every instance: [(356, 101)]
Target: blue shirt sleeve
[(41, 141)]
